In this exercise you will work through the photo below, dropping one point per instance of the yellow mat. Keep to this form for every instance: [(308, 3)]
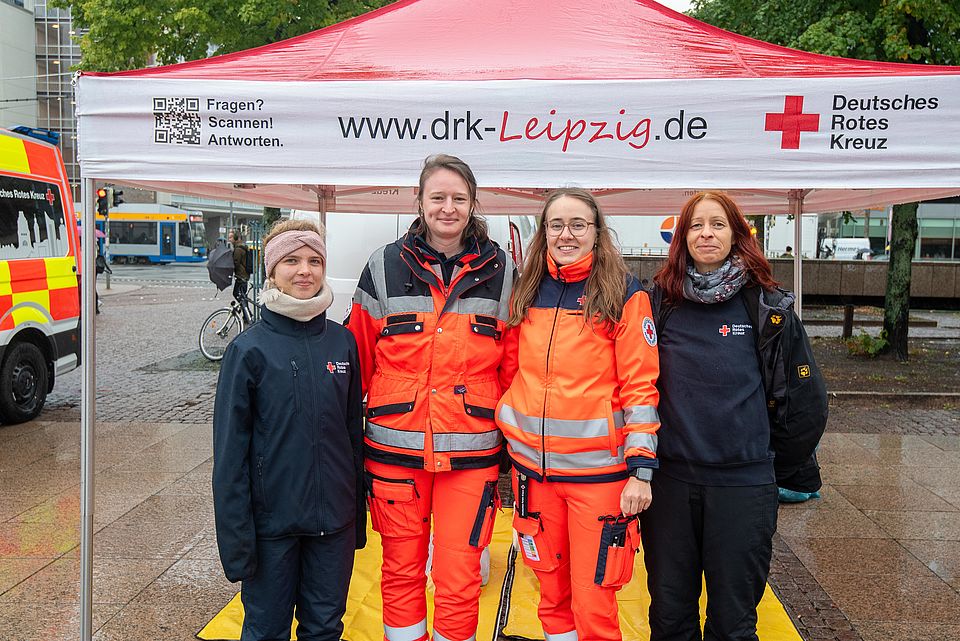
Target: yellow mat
[(517, 587)]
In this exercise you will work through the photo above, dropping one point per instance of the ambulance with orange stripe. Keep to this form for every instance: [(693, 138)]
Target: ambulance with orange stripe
[(39, 292)]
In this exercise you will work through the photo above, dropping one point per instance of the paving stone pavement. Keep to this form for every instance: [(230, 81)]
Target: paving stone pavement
[(877, 558)]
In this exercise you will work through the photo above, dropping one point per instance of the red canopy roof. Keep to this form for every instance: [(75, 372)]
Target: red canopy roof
[(506, 40)]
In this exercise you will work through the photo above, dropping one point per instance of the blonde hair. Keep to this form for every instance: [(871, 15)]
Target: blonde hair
[(607, 283)]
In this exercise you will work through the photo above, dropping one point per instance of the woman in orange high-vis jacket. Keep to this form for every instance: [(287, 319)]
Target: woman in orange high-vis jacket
[(580, 417), (429, 317)]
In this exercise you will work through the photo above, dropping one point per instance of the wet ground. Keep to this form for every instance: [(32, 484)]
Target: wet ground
[(876, 559)]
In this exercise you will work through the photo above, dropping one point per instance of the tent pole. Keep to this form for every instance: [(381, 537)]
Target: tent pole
[(322, 206), (796, 209), (88, 401)]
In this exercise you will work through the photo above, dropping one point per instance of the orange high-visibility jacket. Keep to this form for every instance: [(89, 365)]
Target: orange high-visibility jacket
[(432, 358), (583, 404)]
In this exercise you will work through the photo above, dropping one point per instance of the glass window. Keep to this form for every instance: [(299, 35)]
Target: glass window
[(32, 224), (133, 233), (936, 238), (183, 234)]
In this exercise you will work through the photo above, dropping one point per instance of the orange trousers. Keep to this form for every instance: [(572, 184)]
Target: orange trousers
[(463, 504), (564, 553)]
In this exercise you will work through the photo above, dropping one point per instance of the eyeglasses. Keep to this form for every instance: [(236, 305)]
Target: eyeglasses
[(577, 227)]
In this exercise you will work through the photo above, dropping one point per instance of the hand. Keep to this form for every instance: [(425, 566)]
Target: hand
[(636, 496)]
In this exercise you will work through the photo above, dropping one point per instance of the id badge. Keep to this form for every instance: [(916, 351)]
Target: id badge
[(529, 547)]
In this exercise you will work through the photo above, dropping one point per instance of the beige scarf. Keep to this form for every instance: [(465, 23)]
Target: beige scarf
[(300, 310)]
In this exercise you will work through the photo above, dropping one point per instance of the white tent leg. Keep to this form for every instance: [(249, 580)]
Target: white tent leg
[(88, 412), (796, 209)]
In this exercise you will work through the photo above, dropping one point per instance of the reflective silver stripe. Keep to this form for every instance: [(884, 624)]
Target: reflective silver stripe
[(505, 290), (524, 450), (641, 440), (394, 438), (641, 414), (439, 637), (563, 636), (376, 265), (401, 304), (584, 460), (369, 303), (408, 633), (483, 306), (567, 428), (458, 442)]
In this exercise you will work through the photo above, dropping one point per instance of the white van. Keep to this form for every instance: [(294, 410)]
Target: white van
[(351, 238)]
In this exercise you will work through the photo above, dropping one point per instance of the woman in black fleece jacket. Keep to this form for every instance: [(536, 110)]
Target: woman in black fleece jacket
[(714, 508)]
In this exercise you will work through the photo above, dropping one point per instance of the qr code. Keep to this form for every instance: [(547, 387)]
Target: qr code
[(176, 121)]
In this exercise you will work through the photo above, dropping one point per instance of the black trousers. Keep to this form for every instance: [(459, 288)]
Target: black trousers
[(309, 572), (720, 535)]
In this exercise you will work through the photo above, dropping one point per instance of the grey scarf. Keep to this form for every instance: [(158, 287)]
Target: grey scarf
[(716, 286)]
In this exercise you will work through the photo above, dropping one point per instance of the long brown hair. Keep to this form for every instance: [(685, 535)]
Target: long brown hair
[(607, 283), (674, 270), (476, 226)]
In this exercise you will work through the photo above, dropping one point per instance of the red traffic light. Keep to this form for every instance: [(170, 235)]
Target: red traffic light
[(101, 193)]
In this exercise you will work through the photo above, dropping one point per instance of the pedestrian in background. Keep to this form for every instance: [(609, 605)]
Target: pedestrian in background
[(241, 275), (715, 507), (429, 316), (287, 442), (580, 417)]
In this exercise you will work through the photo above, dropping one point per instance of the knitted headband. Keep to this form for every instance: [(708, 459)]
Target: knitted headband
[(290, 241)]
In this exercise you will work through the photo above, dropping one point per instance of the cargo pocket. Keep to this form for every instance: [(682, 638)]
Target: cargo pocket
[(482, 530), (619, 542), (535, 549), (487, 326), (393, 506), (476, 406)]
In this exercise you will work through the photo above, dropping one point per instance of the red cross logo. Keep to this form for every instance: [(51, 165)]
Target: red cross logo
[(649, 331), (330, 367), (581, 300), (724, 330), (50, 197), (791, 122)]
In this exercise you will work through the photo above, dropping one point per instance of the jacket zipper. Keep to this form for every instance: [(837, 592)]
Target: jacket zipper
[(546, 375), (296, 384), (263, 494), (316, 446)]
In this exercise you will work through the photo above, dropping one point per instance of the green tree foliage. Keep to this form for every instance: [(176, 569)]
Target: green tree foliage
[(126, 34), (916, 31), (920, 31)]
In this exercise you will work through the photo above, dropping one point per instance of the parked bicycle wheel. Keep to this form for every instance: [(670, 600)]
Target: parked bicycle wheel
[(217, 331)]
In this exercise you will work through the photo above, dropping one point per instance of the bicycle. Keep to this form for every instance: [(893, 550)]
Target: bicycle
[(221, 327)]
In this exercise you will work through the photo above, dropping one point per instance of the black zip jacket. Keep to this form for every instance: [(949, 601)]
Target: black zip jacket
[(287, 437)]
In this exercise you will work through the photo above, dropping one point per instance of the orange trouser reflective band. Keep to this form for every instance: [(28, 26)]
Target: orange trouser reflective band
[(560, 542), (402, 500)]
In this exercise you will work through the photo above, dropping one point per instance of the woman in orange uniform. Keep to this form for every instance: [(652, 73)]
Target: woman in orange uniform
[(580, 417), (429, 317)]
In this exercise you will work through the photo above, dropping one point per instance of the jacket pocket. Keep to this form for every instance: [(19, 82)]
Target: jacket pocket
[(263, 494), (385, 404), (296, 384), (487, 326), (619, 542), (402, 324), (476, 406), (393, 506), (535, 547), (482, 531)]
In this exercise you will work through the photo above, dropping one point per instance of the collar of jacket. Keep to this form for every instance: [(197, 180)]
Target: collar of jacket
[(572, 273), (425, 254), (473, 259), (285, 325)]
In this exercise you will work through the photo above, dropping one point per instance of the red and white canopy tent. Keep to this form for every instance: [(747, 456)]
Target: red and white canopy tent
[(636, 102)]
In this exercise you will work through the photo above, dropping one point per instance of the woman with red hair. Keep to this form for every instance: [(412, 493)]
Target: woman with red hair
[(715, 496)]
